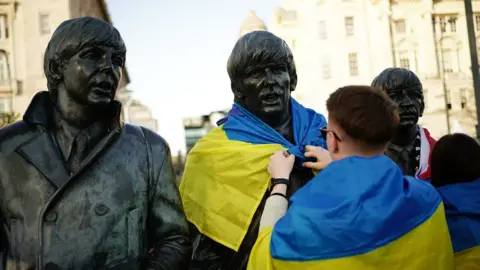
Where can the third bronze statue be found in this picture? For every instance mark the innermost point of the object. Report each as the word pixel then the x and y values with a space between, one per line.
pixel 411 145
pixel 225 180
pixel 79 189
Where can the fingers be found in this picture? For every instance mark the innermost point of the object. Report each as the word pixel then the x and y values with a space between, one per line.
pixel 314 165
pixel 311 154
pixel 311 148
pixel 291 158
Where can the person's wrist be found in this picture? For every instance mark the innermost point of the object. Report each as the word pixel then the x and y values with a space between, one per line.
pixel 280 176
pixel 279 188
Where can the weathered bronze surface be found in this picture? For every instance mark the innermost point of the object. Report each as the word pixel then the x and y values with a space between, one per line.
pixel 78 188
pixel 263 75
pixel 405 88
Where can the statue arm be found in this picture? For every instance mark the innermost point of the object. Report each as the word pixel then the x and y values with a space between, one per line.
pixel 208 254
pixel 168 239
pixel 3 243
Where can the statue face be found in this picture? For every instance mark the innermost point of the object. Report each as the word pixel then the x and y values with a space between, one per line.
pixel 91 76
pixel 410 104
pixel 265 89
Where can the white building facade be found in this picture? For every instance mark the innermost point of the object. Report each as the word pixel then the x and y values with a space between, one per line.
pixel 344 42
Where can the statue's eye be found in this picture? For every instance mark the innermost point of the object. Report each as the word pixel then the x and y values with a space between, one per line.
pixel 256 74
pixel 278 70
pixel 90 55
pixel 117 61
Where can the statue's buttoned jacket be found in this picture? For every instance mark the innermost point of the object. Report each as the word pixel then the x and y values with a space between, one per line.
pixel 120 210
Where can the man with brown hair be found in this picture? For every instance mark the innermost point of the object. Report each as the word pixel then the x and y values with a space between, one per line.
pixel 360 211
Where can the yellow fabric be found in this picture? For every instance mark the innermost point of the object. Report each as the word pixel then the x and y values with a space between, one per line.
pixel 428 246
pixel 223 183
pixel 468 259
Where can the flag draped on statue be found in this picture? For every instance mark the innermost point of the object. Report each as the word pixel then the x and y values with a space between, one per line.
pixel 225 175
pixel 358 213
pixel 462 206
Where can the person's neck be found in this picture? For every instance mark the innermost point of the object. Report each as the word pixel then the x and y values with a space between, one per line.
pixel 404 135
pixel 73 113
pixel 365 154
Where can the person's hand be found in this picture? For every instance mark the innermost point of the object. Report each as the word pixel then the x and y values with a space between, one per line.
pixel 321 154
pixel 281 164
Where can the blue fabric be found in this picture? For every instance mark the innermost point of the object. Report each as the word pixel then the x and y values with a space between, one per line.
pixel 241 125
pixel 462 207
pixel 353 206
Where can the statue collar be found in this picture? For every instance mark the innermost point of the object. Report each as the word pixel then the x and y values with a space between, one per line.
pixel 41 112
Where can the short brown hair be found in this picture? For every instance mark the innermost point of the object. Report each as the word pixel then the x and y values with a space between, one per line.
pixel 364 113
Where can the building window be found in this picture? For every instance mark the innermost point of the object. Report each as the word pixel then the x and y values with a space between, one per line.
pixel 404 60
pixel 447 61
pixel 448 99
pixel 4 105
pixel 44 23
pixel 477 22
pixel 463 98
pixel 289 15
pixel 349 26
pixel 443 25
pixel 353 64
pixel 322 30
pixel 3 69
pixel 400 27
pixel 453 24
pixel 3 26
pixel 327 70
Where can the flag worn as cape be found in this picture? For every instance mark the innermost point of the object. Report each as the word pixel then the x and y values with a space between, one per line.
pixel 462 206
pixel 225 176
pixel 358 213
pixel 427 143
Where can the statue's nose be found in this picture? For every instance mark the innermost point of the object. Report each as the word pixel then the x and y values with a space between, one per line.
pixel 269 78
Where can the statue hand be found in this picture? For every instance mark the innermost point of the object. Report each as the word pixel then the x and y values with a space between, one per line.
pixel 321 154
pixel 281 164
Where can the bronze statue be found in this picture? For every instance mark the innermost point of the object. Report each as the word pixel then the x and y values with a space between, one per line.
pixel 78 188
pixel 263 75
pixel 411 144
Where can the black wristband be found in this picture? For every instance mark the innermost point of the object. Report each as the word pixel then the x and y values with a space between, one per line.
pixel 276 181
pixel 279 194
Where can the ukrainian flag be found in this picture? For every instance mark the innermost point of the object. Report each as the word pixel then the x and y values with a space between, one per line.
pixel 462 206
pixel 225 176
pixel 358 213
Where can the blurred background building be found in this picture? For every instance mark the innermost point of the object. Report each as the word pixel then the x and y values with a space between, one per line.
pixel 341 42
pixel 25 29
pixel 197 127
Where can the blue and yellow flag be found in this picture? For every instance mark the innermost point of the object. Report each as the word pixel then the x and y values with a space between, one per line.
pixel 462 206
pixel 358 213
pixel 225 176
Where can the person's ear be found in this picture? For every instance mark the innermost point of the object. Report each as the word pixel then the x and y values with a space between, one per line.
pixel 236 89
pixel 55 70
pixel 333 146
pixel 422 108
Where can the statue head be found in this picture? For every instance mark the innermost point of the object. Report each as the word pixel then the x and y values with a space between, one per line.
pixel 405 89
pixel 262 74
pixel 84 58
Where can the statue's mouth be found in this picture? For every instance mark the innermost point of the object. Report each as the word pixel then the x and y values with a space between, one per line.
pixel 408 116
pixel 103 86
pixel 269 98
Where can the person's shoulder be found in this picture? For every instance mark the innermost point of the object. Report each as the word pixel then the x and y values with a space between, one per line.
pixel 421 190
pixel 14 134
pixel 157 143
pixel 12 130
